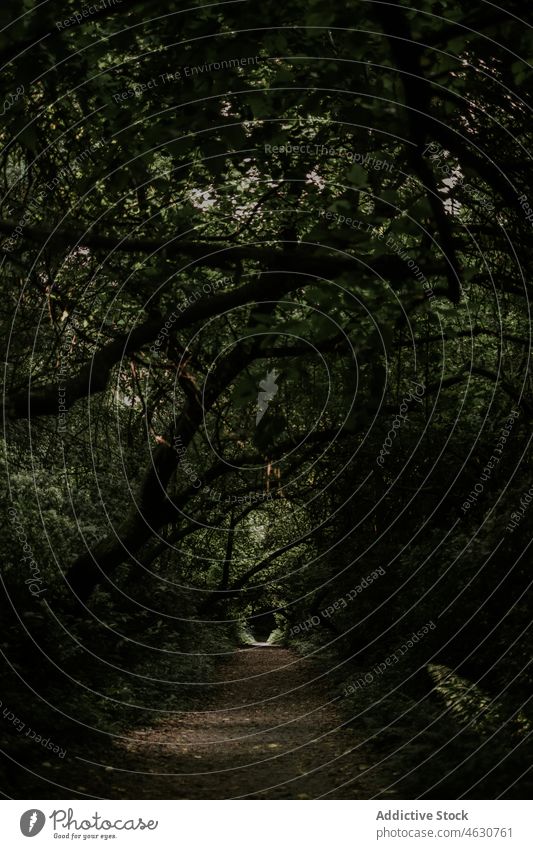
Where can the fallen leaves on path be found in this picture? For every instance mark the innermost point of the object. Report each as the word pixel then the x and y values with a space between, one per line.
pixel 270 730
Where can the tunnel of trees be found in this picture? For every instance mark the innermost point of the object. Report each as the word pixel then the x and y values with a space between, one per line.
pixel 265 277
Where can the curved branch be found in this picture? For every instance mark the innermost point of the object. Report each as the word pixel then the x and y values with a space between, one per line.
pixel 94 375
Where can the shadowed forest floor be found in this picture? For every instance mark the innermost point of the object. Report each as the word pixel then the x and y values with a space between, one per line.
pixel 271 727
pixel 269 732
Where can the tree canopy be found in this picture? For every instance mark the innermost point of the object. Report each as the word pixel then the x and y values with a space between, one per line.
pixel 265 300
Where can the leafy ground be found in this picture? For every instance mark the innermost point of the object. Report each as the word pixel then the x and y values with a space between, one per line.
pixel 270 731
pixel 273 726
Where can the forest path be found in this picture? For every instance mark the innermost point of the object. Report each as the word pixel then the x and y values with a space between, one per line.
pixel 269 731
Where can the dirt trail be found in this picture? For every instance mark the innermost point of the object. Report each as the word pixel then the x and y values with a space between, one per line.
pixel 267 732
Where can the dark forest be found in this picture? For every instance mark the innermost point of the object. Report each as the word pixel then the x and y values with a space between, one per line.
pixel 267 400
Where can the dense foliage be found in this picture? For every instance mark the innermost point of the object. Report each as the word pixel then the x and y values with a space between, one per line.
pixel 330 206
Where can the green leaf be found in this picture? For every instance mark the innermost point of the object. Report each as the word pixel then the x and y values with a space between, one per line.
pixel 357 174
